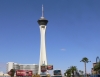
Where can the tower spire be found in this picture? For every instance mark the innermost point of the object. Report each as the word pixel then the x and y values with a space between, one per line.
pixel 42 11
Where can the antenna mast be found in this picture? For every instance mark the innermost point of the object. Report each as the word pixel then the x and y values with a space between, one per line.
pixel 42 11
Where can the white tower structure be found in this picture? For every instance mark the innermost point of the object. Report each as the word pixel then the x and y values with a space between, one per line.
pixel 10 65
pixel 43 59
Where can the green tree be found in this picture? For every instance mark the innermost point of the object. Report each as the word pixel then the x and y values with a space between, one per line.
pixel 68 73
pixel 81 72
pixel 73 70
pixel 97 67
pixel 85 60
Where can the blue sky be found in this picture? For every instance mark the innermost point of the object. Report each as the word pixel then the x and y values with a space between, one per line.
pixel 73 32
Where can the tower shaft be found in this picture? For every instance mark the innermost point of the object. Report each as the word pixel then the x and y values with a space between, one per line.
pixel 43 58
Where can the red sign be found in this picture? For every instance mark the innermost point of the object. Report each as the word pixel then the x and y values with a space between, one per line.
pixel 24 73
pixel 49 67
pixel 43 69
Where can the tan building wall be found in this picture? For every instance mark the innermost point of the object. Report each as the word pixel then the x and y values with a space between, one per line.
pixel 92 70
pixel 94 64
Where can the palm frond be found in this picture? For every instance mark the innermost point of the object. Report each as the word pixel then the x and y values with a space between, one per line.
pixel 85 59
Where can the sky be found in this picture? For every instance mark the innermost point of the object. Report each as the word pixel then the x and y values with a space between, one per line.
pixel 73 32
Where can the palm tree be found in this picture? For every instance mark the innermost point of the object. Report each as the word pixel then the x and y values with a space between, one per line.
pixel 97 67
pixel 73 70
pixel 68 72
pixel 85 60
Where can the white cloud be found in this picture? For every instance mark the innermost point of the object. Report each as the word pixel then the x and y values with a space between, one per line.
pixel 63 49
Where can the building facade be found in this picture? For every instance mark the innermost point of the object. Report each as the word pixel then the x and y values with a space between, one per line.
pixel 10 65
pixel 16 66
pixel 92 69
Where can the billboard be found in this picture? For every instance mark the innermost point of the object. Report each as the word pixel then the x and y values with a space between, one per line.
pixel 24 73
pixel 57 72
pixel 43 68
pixel 49 67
